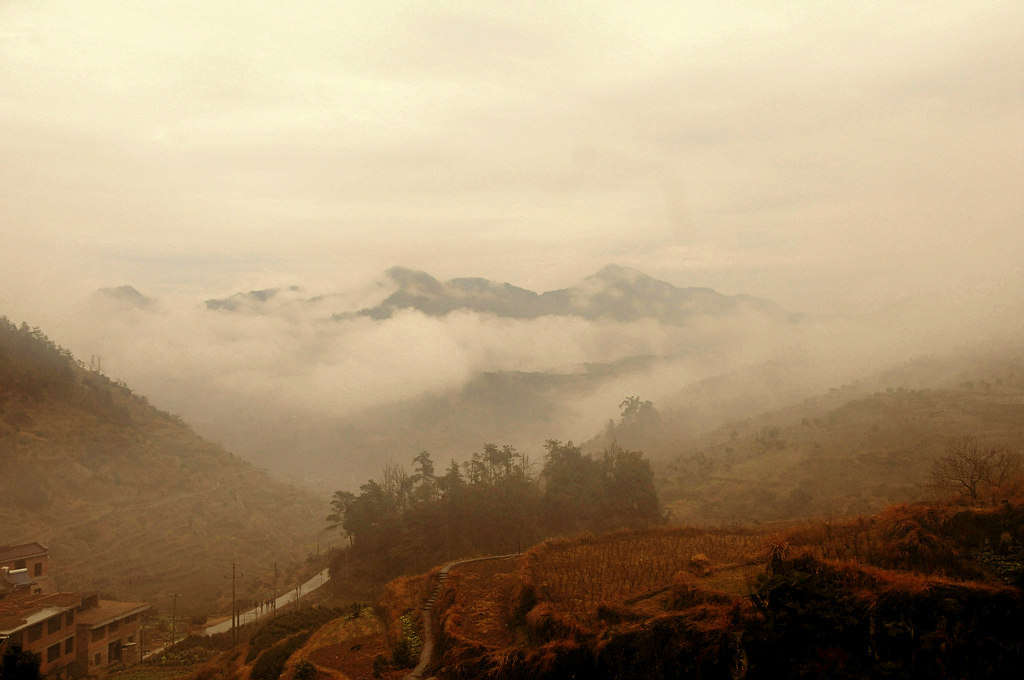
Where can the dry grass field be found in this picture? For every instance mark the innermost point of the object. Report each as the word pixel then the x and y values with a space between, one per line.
pixel 578 576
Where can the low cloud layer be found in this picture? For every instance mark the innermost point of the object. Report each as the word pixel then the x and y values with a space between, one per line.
pixel 294 363
pixel 859 163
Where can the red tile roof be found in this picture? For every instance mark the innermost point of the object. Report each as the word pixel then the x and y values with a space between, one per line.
pixel 17 610
pixel 9 553
pixel 109 610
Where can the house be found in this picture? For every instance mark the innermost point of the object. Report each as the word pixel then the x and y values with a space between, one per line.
pixel 108 634
pixel 43 623
pixel 29 560
pixel 75 636
pixel 31 556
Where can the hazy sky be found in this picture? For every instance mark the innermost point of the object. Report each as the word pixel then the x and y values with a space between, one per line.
pixel 820 154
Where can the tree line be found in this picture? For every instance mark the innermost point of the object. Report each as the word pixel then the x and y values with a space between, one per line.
pixel 499 501
pixel 31 365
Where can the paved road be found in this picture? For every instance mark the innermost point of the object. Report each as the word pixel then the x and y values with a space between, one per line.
pixel 290 597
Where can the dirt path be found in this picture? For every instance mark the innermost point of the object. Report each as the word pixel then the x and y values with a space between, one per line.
pixel 427 652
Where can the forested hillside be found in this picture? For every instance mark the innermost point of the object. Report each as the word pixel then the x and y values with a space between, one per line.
pixel 129 500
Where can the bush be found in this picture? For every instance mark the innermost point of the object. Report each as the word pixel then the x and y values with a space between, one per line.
pixel 401 655
pixel 289 623
pixel 380 665
pixel 271 662
pixel 305 670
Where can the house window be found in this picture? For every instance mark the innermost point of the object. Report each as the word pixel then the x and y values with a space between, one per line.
pixel 19 564
pixel 98 660
pixel 53 653
pixel 37 570
pixel 97 633
pixel 53 624
pixel 69 618
pixel 113 627
pixel 69 645
pixel 35 632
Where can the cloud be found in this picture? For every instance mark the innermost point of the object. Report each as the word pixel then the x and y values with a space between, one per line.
pixel 837 159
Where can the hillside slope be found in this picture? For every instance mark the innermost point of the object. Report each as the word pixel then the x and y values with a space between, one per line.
pixel 855 449
pixel 922 591
pixel 129 500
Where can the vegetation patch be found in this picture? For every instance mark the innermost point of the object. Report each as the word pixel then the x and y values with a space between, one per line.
pixel 270 663
pixel 755 605
pixel 288 624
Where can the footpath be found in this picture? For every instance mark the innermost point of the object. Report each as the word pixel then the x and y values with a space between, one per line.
pixel 427 652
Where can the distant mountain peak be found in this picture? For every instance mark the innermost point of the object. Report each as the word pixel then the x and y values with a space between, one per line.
pixel 249 300
pixel 617 273
pixel 126 295
pixel 614 291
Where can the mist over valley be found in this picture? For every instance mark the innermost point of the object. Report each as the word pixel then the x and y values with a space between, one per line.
pixel 461 339
pixel 325 387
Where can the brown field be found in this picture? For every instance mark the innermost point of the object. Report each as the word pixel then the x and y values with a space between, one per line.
pixel 348 646
pixel 579 576
pixel 484 589
pixel 687 602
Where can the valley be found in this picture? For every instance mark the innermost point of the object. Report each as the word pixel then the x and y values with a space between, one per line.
pixel 672 521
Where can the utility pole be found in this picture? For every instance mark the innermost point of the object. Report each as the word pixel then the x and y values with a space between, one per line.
pixel 234 606
pixel 275 588
pixel 174 615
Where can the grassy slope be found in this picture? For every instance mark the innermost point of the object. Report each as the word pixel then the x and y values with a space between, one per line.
pixel 131 502
pixel 914 591
pixel 842 453
pixel 646 604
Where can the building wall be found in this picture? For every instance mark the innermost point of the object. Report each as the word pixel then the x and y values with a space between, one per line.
pixel 53 639
pixel 37 566
pixel 94 644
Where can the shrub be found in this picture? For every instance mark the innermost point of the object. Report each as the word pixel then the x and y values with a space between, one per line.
pixel 380 665
pixel 289 623
pixel 271 662
pixel 305 670
pixel 401 654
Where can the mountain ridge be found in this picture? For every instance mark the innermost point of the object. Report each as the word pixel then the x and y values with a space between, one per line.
pixel 613 292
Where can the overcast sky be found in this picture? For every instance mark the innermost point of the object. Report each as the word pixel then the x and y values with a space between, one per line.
pixel 821 154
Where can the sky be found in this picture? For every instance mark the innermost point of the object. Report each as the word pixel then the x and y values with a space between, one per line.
pixel 824 155
pixel 860 163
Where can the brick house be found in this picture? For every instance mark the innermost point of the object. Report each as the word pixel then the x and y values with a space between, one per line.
pixel 43 623
pixel 31 556
pixel 28 561
pixel 108 634
pixel 75 636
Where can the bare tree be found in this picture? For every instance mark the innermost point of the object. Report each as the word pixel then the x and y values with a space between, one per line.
pixel 976 472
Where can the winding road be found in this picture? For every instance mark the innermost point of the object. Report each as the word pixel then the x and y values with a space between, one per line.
pixel 289 597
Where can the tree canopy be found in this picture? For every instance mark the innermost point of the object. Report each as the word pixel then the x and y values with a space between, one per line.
pixel 495 502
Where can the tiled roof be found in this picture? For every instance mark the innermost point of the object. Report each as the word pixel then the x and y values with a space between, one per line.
pixel 9 553
pixel 109 610
pixel 20 610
